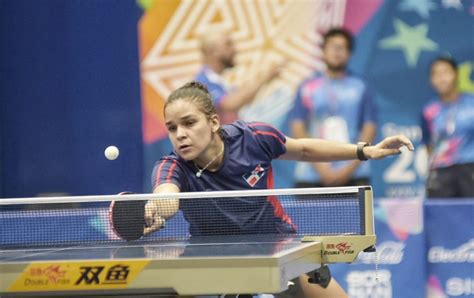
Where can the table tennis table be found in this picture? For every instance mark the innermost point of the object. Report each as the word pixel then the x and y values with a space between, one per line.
pixel 207 265
pixel 251 264
pixel 227 265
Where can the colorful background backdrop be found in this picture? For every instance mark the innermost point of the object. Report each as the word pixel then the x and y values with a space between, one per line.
pixel 79 75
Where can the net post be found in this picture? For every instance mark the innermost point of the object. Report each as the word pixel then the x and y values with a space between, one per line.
pixel 346 248
pixel 369 211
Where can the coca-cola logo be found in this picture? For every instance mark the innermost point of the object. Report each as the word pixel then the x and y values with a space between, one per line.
pixel 388 252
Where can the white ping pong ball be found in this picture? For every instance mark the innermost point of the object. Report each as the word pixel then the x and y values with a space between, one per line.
pixel 111 152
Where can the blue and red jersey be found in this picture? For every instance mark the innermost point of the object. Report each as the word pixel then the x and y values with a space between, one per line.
pixel 449 129
pixel 218 89
pixel 334 109
pixel 249 150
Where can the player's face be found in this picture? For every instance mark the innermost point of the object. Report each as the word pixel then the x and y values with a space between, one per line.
pixel 189 129
pixel 336 53
pixel 443 77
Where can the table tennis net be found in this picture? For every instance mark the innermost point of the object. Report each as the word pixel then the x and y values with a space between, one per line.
pixel 82 220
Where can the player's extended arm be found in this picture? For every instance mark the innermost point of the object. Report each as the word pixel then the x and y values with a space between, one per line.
pixel 245 94
pixel 157 211
pixel 324 150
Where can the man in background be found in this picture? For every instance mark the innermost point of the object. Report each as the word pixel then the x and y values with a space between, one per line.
pixel 218 52
pixel 338 106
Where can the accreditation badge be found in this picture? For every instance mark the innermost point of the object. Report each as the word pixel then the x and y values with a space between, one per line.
pixel 335 128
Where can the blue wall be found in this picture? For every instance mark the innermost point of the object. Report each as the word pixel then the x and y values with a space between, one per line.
pixel 69 87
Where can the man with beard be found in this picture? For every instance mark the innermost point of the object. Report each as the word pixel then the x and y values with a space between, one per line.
pixel 334 105
pixel 218 53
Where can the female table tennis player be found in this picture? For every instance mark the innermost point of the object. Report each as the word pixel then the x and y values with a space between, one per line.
pixel 208 156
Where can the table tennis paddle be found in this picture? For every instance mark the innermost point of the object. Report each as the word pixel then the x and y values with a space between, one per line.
pixel 127 218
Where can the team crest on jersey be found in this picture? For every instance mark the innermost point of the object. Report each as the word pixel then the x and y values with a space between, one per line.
pixel 255 176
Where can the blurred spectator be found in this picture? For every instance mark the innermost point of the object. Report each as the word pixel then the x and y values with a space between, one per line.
pixel 448 132
pixel 218 53
pixel 334 105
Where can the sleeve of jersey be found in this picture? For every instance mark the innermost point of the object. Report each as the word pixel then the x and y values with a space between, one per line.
pixel 299 111
pixel 218 95
pixel 167 170
pixel 369 109
pixel 425 131
pixel 271 140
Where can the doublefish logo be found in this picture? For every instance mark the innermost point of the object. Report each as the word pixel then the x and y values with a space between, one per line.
pixel 255 176
pixel 53 273
pixel 79 275
pixel 90 275
pixel 342 248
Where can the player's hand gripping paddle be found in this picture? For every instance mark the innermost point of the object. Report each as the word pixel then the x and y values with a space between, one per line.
pixel 127 219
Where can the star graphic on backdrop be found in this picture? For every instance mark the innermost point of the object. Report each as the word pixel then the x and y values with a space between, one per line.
pixel 452 3
pixel 411 40
pixel 422 7
pixel 465 73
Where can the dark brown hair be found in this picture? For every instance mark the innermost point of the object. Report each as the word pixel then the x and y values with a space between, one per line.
pixel 196 93
pixel 446 59
pixel 346 34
